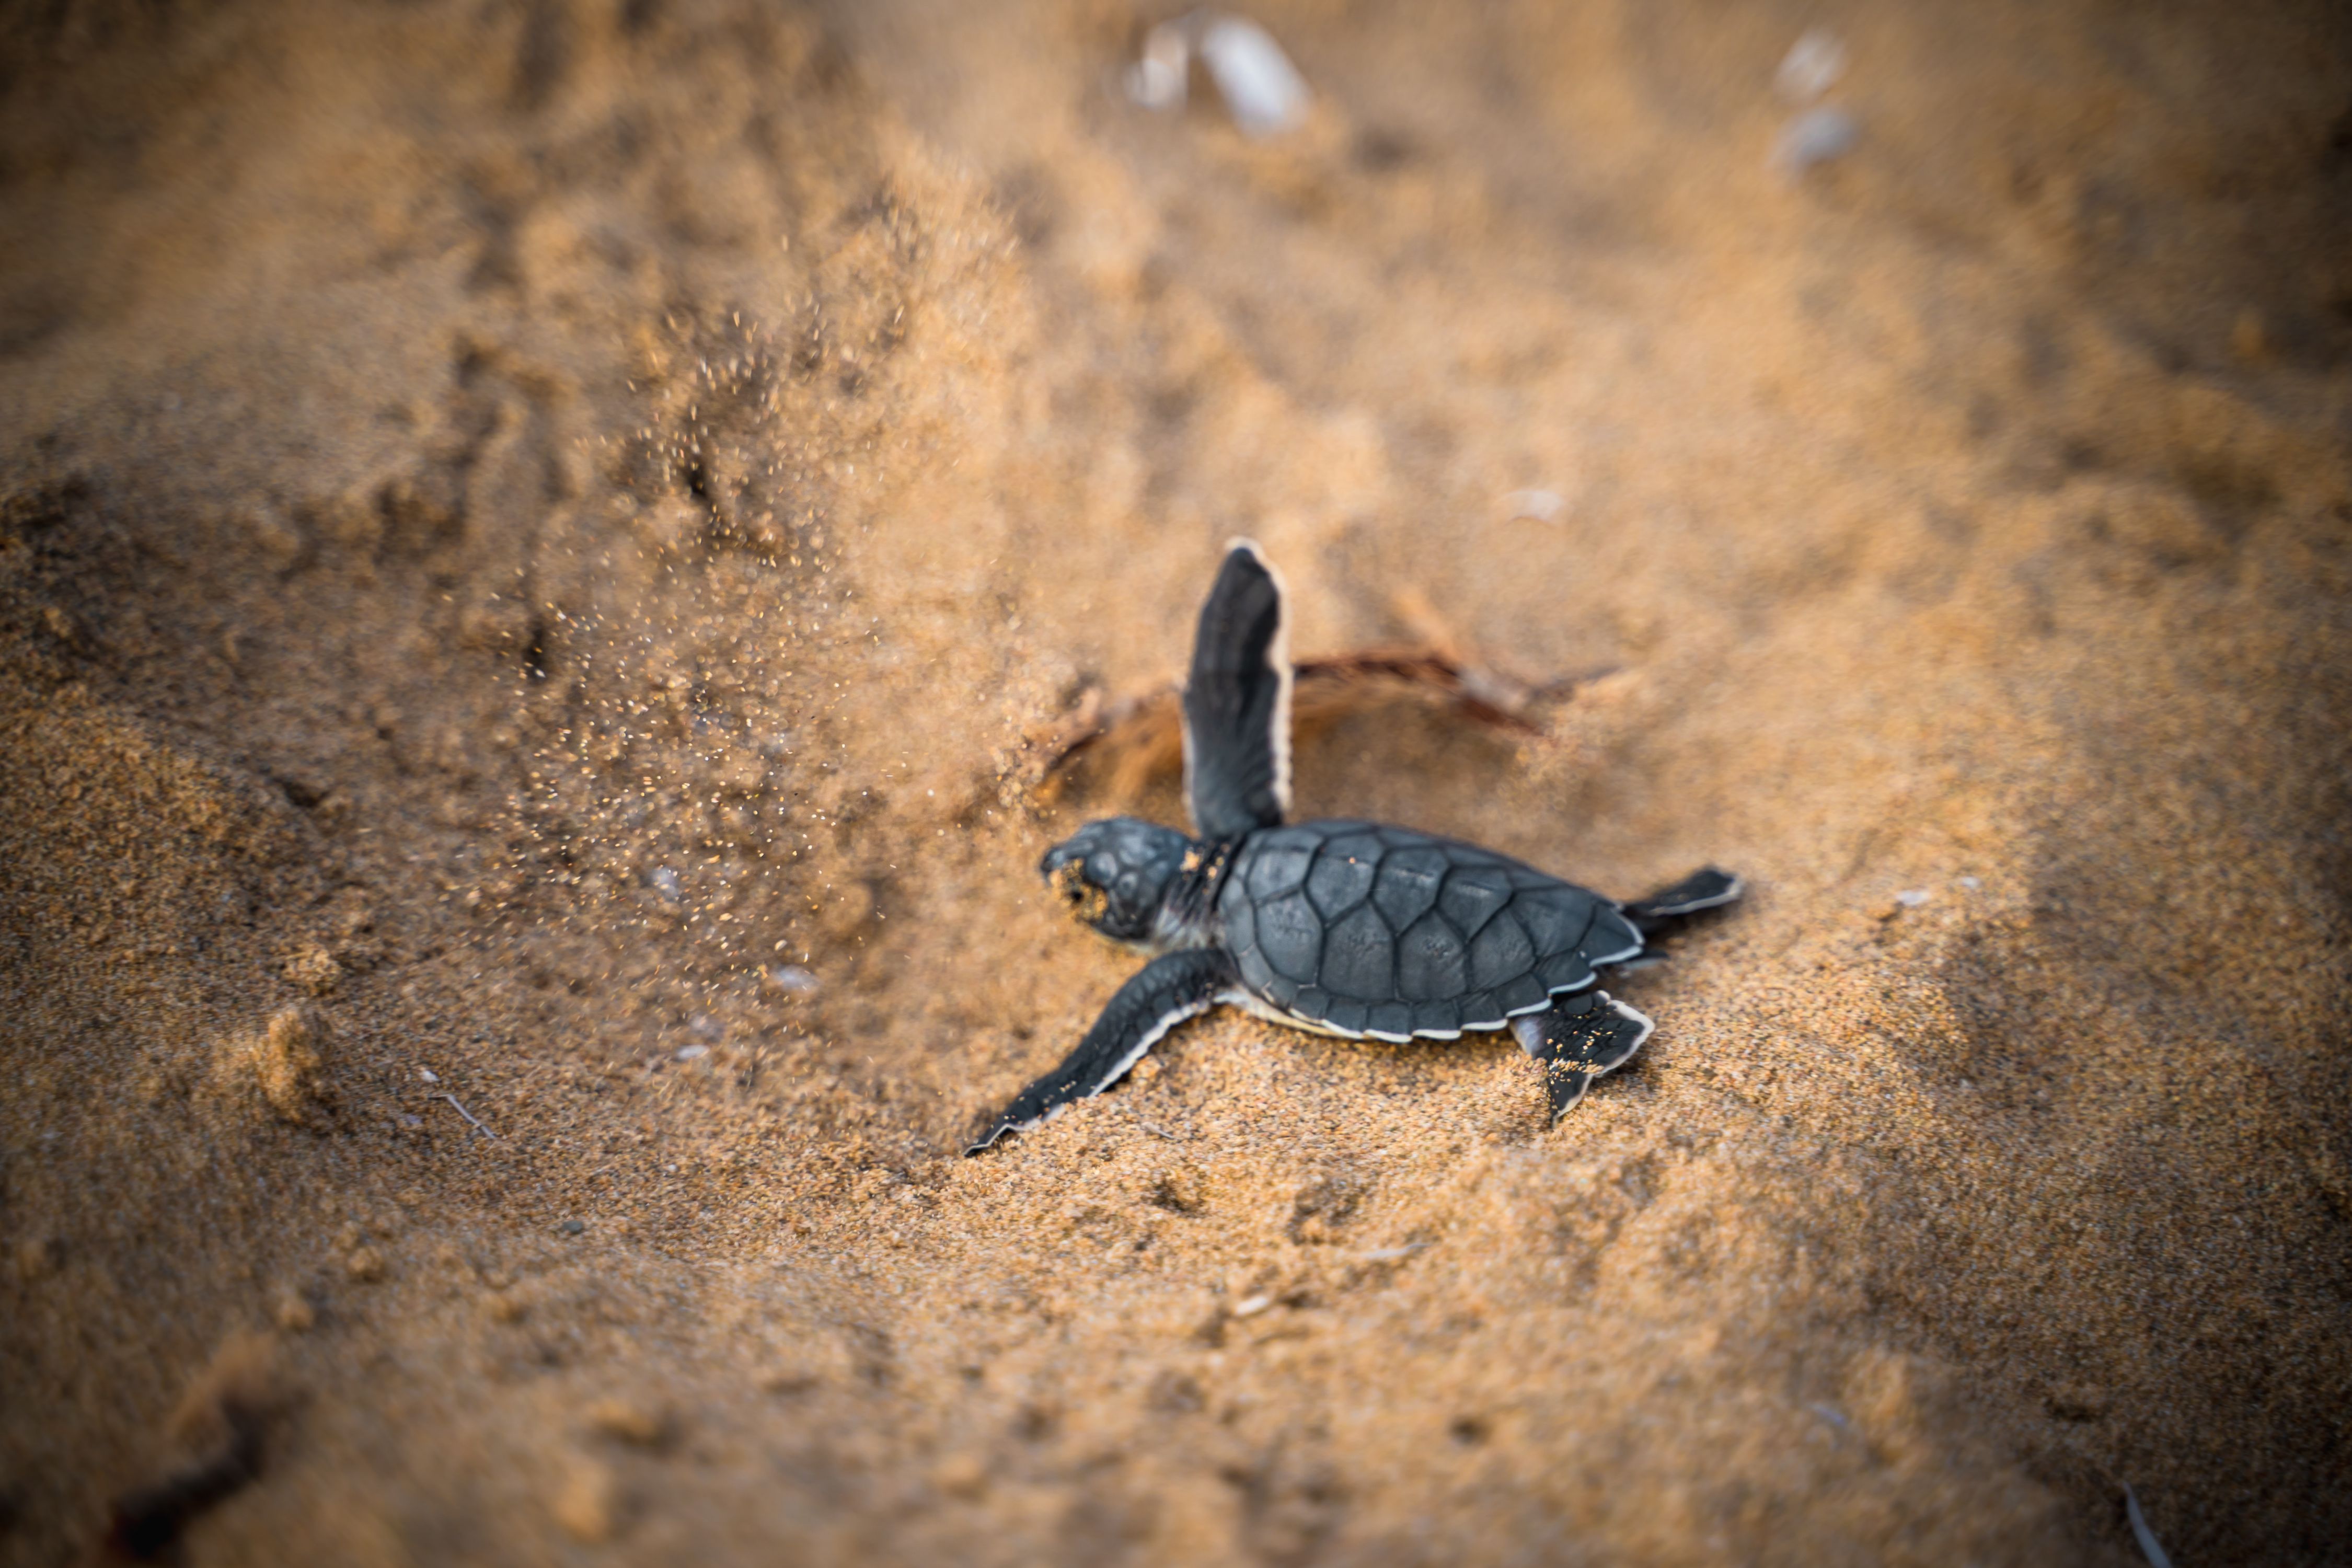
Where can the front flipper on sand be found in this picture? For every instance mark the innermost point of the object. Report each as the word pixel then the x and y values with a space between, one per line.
pixel 1580 1037
pixel 1163 994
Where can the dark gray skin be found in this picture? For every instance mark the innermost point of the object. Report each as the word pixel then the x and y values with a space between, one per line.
pixel 1346 928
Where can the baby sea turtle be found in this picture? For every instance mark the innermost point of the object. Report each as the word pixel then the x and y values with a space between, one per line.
pixel 1345 928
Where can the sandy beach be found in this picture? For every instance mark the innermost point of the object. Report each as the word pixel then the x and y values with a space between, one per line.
pixel 545 549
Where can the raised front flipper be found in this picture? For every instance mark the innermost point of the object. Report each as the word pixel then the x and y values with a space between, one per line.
pixel 1165 993
pixel 1237 702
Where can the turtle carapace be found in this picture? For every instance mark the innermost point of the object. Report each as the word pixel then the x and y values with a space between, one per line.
pixel 1345 928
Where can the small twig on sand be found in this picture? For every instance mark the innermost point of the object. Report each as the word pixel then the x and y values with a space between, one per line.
pixel 470 1117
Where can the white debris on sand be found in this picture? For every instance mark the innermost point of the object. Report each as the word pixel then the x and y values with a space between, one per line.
pixel 1811 67
pixel 1541 506
pixel 1814 137
pixel 1156 81
pixel 1263 91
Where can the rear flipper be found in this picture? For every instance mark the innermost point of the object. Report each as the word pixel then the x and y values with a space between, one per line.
pixel 1700 891
pixel 1162 994
pixel 1580 1037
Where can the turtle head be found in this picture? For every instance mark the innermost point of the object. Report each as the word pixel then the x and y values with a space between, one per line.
pixel 1116 874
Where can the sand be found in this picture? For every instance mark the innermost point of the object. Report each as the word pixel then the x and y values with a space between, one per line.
pixel 539 546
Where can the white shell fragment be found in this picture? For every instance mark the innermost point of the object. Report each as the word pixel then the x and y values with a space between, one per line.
pixel 1262 88
pixel 1251 1306
pixel 1912 898
pixel 692 1053
pixel 1814 137
pixel 1157 80
pixel 1811 67
pixel 1263 91
pixel 1540 506
pixel 790 977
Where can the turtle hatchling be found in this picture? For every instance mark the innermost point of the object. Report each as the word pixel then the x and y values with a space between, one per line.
pixel 1356 929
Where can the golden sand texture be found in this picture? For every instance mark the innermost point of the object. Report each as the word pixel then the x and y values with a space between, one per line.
pixel 537 540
